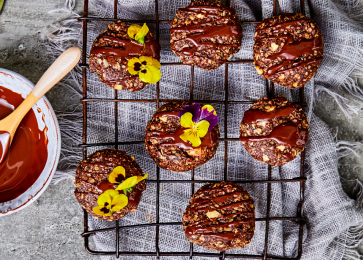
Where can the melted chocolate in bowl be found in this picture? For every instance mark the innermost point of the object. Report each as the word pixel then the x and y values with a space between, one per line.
pixel 27 154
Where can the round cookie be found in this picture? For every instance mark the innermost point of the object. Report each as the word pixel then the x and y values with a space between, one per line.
pixel 92 180
pixel 111 51
pixel 169 151
pixel 220 216
pixel 206 34
pixel 274 131
pixel 288 49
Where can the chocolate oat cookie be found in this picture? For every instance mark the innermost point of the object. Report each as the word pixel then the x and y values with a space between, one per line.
pixel 110 54
pixel 274 131
pixel 205 33
pixel 220 216
pixel 288 49
pixel 92 179
pixel 167 142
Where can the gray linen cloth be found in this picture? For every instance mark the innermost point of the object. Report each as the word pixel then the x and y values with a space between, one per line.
pixel 334 221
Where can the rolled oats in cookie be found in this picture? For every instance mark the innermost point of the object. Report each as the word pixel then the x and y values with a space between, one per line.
pixel 126 57
pixel 274 130
pixel 206 34
pixel 109 184
pixel 220 216
pixel 288 49
pixel 182 135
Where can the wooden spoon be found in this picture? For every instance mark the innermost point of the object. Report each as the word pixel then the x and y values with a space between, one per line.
pixel 61 67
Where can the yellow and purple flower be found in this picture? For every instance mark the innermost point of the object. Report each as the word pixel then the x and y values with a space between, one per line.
pixel 198 122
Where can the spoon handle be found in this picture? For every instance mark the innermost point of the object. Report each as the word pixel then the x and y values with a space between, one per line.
pixel 61 67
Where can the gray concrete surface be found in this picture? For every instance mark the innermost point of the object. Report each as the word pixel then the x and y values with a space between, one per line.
pixel 50 227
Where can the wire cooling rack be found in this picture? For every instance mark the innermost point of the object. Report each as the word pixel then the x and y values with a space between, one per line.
pixel 298 220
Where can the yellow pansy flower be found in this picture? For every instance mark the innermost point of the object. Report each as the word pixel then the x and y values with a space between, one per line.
pixel 149 61
pixel 146 67
pixel 195 131
pixel 150 74
pixel 109 202
pixel 129 183
pixel 117 175
pixel 137 32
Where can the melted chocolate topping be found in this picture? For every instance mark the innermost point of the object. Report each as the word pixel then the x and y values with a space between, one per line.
pixel 207 140
pixel 253 116
pixel 129 48
pixel 291 50
pixel 212 228
pixel 287 134
pixel 207 206
pixel 206 230
pixel 198 34
pixel 27 154
pixel 106 185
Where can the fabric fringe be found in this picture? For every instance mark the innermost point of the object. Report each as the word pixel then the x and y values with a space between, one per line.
pixel 345 148
pixel 63 36
pixel 348 110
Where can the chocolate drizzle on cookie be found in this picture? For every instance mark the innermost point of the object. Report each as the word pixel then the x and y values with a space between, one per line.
pixel 292 49
pixel 296 44
pixel 287 134
pixel 253 116
pixel 206 34
pixel 128 48
pixel 220 212
pixel 200 34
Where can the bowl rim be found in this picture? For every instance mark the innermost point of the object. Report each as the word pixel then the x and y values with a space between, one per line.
pixel 57 129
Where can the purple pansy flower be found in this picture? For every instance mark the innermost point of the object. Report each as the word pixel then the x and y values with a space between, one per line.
pixel 207 113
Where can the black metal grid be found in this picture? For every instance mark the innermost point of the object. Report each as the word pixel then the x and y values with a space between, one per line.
pixel 298 220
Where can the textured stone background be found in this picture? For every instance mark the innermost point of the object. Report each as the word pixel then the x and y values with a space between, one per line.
pixel 50 228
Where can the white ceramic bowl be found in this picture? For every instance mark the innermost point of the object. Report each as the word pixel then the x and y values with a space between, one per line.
pixel 23 86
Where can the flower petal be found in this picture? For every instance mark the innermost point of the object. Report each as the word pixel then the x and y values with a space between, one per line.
pixel 119 202
pixel 202 128
pixel 191 136
pixel 150 74
pixel 103 199
pixel 98 211
pixel 133 30
pixel 210 109
pixel 186 120
pixel 128 183
pixel 115 173
pixel 134 66
pixel 111 193
pixel 208 113
pixel 140 36
pixel 193 109
pixel 149 61
pixel 140 178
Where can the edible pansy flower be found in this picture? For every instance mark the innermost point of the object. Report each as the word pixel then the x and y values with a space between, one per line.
pixel 198 122
pixel 138 32
pixel 146 67
pixel 109 202
pixel 117 175
pixel 129 183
